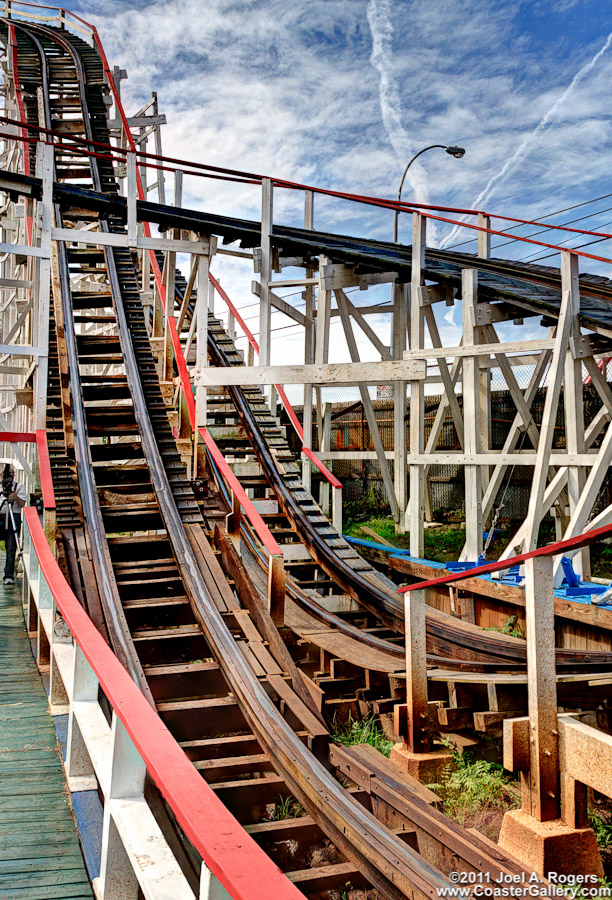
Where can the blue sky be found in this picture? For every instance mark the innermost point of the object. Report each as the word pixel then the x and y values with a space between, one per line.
pixel 341 93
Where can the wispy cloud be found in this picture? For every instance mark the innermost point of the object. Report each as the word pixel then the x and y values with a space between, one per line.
pixel 530 140
pixel 379 19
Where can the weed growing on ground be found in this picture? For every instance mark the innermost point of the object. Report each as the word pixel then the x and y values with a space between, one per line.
pixel 475 793
pixel 362 731
pixel 602 826
pixel 509 627
pixel 287 808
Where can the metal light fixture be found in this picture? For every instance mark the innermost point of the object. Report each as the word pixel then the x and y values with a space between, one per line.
pixel 455 151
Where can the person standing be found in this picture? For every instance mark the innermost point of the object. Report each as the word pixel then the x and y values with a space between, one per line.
pixel 13 500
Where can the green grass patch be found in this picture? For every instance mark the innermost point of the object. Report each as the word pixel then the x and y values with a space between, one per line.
pixel 442 544
pixel 362 731
pixel 287 808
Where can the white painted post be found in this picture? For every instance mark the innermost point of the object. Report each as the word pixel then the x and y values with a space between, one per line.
pixel 573 406
pixel 417 389
pixel 84 691
pixel 169 273
pixel 118 880
pixel 132 199
pixel 324 445
pixel 309 358
pixel 45 169
pixel 201 312
pixel 486 425
pixel 471 418
pixel 265 301
pixel 58 696
pixel 337 509
pixel 400 433
pixel 210 886
pixel 549 415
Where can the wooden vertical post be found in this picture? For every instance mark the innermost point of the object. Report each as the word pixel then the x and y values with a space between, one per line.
pixel 265 301
pixel 549 415
pixel 400 442
pixel 276 589
pixel 417 388
pixel 45 168
pixel 321 350
pixel 541 786
pixel 132 199
pixel 324 445
pixel 471 418
pixel 201 394
pixel 170 272
pixel 573 406
pixel 417 736
pixel 486 425
pixel 309 340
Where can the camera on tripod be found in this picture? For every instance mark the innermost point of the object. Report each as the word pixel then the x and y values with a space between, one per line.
pixel 7 482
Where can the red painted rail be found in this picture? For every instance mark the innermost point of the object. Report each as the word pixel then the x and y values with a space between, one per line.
pixel 263 532
pixel 321 467
pixel 229 852
pixel 44 469
pixel 558 547
pixel 44 464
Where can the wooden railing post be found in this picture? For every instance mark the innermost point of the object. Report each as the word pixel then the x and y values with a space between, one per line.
pixel 276 589
pixel 337 508
pixel 417 733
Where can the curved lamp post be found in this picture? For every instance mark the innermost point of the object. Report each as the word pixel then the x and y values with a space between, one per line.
pixel 457 152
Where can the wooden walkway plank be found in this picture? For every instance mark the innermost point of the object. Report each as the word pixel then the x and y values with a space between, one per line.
pixel 40 854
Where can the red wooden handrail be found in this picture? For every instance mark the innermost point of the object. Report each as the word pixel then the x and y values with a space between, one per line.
pixel 44 469
pixel 263 532
pixel 329 476
pixel 574 543
pixel 16 437
pixel 230 853
pixel 182 370
pixel 44 464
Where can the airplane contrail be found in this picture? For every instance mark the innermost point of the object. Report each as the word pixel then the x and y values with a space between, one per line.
pixel 381 29
pixel 530 139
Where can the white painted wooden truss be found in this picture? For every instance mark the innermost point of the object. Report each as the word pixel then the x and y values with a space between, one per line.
pixel 134 851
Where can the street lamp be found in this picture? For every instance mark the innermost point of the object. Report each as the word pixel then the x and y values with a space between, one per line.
pixel 457 152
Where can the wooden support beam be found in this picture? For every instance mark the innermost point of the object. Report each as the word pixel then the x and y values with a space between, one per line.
pixel 555 378
pixel 265 309
pixel 471 415
pixel 541 788
pixel 573 406
pixel 400 433
pixel 309 344
pixel 416 389
pixel 416 672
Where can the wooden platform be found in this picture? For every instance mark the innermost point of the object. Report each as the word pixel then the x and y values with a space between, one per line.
pixel 40 854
